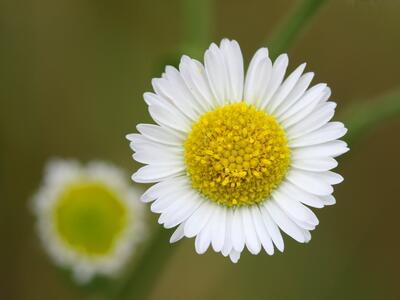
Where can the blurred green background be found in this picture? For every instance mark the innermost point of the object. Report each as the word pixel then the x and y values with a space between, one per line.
pixel 72 75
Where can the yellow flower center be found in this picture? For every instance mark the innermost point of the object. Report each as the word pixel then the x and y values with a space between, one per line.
pixel 236 155
pixel 89 217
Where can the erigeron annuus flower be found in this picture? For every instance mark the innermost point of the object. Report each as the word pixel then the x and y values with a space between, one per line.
pixel 88 217
pixel 238 157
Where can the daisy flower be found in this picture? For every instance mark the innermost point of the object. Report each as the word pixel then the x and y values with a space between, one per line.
pixel 237 158
pixel 88 218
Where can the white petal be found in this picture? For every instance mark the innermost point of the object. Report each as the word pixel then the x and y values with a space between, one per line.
pixel 234 256
pixel 301 195
pixel 261 230
pixel 178 234
pixel 234 64
pixel 315 120
pixel 328 132
pixel 237 233
pixel 328 200
pixel 137 139
pixel 326 96
pixel 309 182
pixel 196 222
pixel 160 134
pixel 331 177
pixel 284 90
pixel 179 214
pixel 183 97
pixel 284 222
pixel 228 238
pixel 152 99
pixel 164 188
pixel 332 148
pixel 218 234
pixel 297 92
pixel 165 114
pixel 304 106
pixel 302 224
pixel 181 201
pixel 173 88
pixel 151 153
pixel 320 164
pixel 272 228
pixel 194 75
pixel 294 208
pixel 217 73
pixel 250 234
pixel 203 239
pixel 307 235
pixel 186 101
pixel 174 199
pixel 141 143
pixel 257 76
pixel 277 75
pixel 153 173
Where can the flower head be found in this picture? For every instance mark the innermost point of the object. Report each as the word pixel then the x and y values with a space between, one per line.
pixel 88 218
pixel 238 157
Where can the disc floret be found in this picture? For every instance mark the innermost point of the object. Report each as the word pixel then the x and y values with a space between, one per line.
pixel 89 218
pixel 236 155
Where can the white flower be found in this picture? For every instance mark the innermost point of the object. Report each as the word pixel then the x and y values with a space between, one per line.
pixel 237 157
pixel 88 217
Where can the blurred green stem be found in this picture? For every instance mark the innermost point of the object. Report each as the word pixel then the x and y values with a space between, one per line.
pixel 293 25
pixel 197 23
pixel 140 282
pixel 362 117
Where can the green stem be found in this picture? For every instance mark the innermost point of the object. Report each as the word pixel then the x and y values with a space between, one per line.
pixel 139 282
pixel 362 117
pixel 293 25
pixel 197 18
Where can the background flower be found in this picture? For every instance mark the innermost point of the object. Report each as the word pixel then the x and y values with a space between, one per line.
pixel 88 218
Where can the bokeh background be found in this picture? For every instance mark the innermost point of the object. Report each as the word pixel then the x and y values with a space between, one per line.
pixel 72 75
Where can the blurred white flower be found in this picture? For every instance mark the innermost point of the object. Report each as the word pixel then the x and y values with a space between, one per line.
pixel 88 217
pixel 237 157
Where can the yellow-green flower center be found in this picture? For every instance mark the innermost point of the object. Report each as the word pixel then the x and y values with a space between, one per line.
pixel 236 155
pixel 89 217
